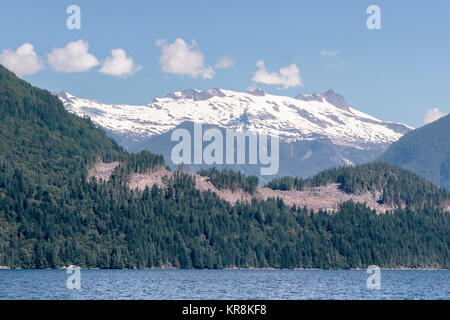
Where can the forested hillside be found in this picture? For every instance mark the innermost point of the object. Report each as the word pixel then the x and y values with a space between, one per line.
pixel 51 215
pixel 425 151
pixel 398 186
pixel 43 143
pixel 229 179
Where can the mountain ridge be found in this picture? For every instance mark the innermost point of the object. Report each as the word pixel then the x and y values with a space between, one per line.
pixel 316 132
pixel 425 151
pixel 291 119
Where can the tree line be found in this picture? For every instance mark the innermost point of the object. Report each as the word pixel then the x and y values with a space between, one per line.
pixel 229 179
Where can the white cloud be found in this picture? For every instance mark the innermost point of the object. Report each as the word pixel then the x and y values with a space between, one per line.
pixel 224 63
pixel 432 115
pixel 329 53
pixel 180 58
pixel 23 61
pixel 73 58
pixel 287 77
pixel 118 64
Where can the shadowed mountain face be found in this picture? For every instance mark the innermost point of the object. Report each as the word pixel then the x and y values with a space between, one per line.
pixel 425 151
pixel 316 131
pixel 298 158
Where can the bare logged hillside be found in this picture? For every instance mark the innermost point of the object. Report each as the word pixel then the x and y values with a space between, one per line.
pixel 103 171
pixel 142 180
pixel 325 197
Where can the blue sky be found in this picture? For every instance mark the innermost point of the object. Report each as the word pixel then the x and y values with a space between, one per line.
pixel 397 73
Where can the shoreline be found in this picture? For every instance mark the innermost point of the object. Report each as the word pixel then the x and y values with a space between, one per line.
pixel 233 268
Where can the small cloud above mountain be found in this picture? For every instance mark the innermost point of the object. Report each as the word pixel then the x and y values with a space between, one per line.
pixel 182 58
pixel 23 61
pixel 119 64
pixel 224 63
pixel 287 77
pixel 72 58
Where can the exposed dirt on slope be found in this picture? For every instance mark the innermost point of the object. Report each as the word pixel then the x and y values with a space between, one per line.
pixel 142 180
pixel 325 197
pixel 203 184
pixel 102 170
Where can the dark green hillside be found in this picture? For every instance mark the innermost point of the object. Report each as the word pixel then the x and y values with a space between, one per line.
pixel 229 179
pixel 425 151
pixel 398 186
pixel 41 140
pixel 52 216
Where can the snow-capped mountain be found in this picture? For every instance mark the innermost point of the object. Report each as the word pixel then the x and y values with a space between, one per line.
pixel 300 118
pixel 303 121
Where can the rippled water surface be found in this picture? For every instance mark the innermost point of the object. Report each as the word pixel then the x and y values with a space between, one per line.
pixel 224 284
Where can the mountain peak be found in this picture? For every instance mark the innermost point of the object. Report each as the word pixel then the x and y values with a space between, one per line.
pixel 257 92
pixel 196 95
pixel 330 96
pixel 329 92
pixel 335 99
pixel 63 94
pixel 309 97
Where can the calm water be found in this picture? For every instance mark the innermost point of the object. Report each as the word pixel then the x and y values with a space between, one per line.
pixel 224 284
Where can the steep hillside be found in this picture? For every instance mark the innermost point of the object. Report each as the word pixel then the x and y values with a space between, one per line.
pixel 53 213
pixel 41 140
pixel 425 151
pixel 395 187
